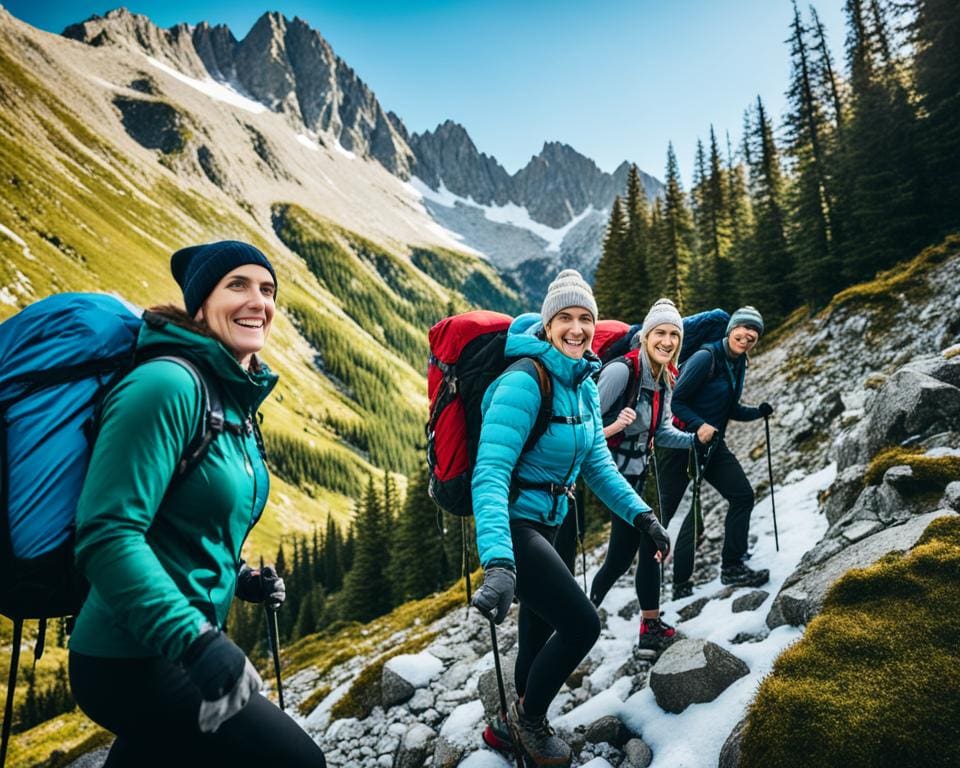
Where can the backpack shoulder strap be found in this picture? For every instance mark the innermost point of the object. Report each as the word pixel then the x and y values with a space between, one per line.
pixel 212 419
pixel 539 372
pixel 632 359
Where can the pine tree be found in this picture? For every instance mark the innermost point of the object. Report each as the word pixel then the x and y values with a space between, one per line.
pixel 741 226
pixel 418 562
pixel 635 286
pixel 882 163
pixel 332 557
pixel 700 277
pixel 810 199
pixel 676 236
pixel 366 588
pixel 764 279
pixel 607 285
pixel 937 37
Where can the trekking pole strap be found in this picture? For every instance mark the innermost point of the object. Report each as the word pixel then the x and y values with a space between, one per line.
pixel 11 684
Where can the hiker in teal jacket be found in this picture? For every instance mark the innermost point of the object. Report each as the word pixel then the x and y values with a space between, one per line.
pixel 148 658
pixel 520 501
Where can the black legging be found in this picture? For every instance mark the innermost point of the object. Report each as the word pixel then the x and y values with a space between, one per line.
pixel 625 541
pixel 152 707
pixel 726 475
pixel 557 625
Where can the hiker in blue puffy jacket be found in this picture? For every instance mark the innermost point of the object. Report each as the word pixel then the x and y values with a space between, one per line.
pixel 706 397
pixel 520 502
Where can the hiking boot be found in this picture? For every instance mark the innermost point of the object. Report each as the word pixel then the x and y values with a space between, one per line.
pixel 497 735
pixel 682 590
pixel 740 575
pixel 655 634
pixel 538 742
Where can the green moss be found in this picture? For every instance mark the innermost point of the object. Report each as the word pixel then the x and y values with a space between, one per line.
pixel 951 353
pixel 875 678
pixel 310 703
pixel 883 291
pixel 929 472
pixel 874 381
pixel 799 365
pixel 56 742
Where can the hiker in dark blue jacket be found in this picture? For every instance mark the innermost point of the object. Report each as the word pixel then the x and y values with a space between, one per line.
pixel 707 396
pixel 520 500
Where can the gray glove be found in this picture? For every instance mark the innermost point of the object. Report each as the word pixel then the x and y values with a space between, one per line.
pixel 261 585
pixel 224 675
pixel 494 597
pixel 648 524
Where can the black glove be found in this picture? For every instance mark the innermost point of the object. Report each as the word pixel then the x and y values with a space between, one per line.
pixel 224 675
pixel 496 594
pixel 765 409
pixel 648 524
pixel 261 585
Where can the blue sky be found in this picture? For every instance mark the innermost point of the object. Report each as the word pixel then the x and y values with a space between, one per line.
pixel 616 79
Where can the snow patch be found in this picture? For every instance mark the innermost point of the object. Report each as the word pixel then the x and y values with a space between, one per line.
pixel 19 241
pixel 461 726
pixel 307 142
pixel 317 720
pixel 417 669
pixel 343 150
pixel 215 90
pixel 511 213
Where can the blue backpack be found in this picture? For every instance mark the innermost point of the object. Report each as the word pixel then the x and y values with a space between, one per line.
pixel 59 357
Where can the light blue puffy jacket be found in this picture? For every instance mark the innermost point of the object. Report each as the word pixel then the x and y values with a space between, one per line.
pixel 510 406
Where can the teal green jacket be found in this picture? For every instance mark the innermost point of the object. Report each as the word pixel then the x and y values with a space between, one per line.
pixel 564 452
pixel 162 565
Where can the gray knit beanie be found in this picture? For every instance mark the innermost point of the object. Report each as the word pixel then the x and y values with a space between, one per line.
pixel 568 289
pixel 662 311
pixel 748 317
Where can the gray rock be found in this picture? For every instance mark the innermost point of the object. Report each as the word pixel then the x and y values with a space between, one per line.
pixel 608 729
pixel 748 637
pixel 730 751
pixel 637 754
pixel 951 495
pixel 750 601
pixel 692 610
pixel 693 672
pixel 860 529
pixel 489 690
pixel 947 371
pixel 446 754
pixel 911 403
pixel 421 700
pixel 394 689
pixel 457 675
pixel 417 743
pixel 825 411
pixel 630 610
pixel 803 593
pixel 93 759
pixel 900 478
pixel 843 492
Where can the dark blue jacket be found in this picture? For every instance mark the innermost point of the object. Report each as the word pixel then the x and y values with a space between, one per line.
pixel 701 397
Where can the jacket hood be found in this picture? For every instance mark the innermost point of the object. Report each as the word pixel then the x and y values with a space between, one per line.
pixel 169 330
pixel 522 341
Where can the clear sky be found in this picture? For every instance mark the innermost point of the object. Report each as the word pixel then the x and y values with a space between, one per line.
pixel 615 79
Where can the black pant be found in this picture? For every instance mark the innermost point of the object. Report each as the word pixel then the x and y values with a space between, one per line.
pixel 152 707
pixel 557 625
pixel 625 541
pixel 726 475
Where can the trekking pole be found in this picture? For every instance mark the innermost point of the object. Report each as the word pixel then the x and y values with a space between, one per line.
pixel 273 637
pixel 695 508
pixel 656 477
pixel 773 502
pixel 503 693
pixel 572 495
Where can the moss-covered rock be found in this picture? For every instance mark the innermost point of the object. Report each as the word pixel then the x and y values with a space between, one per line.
pixel 930 473
pixel 874 681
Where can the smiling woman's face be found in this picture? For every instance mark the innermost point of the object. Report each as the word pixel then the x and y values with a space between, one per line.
pixel 571 331
pixel 742 339
pixel 240 309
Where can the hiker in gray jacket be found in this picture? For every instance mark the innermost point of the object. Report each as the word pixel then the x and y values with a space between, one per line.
pixel 635 393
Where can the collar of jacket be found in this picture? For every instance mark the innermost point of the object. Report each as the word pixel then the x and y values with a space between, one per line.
pixel 523 342
pixel 168 333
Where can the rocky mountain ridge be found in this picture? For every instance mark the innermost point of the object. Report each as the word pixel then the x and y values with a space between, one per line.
pixel 291 69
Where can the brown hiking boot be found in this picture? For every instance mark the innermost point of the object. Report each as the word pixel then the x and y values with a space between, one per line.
pixel 538 742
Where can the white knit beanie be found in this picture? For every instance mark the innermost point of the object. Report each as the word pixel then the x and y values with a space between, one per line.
pixel 568 289
pixel 662 311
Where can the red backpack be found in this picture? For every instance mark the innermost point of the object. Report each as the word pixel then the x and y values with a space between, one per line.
pixel 466 355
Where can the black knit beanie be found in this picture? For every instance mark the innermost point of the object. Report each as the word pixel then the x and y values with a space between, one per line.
pixel 198 268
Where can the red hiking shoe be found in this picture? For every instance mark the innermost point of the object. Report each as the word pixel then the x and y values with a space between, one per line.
pixel 655 634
